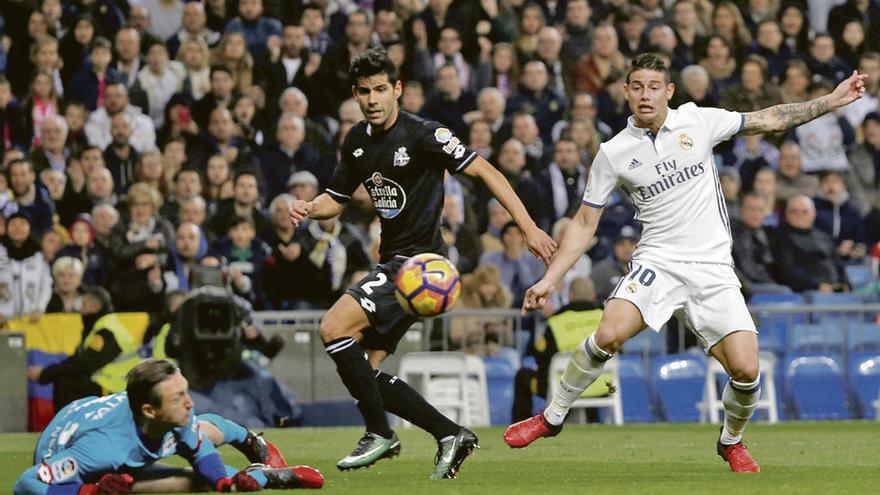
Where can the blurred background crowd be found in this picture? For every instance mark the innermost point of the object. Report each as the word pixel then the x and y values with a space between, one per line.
pixel 152 146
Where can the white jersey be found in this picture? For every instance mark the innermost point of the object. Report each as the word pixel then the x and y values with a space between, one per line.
pixel 673 183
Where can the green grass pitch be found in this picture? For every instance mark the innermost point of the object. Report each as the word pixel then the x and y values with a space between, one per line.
pixel 795 458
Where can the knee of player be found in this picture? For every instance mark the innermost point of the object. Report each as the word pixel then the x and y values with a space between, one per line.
pixel 608 339
pixel 330 330
pixel 746 373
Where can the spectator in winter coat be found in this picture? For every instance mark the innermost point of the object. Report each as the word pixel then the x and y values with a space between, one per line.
pixel 806 258
pixel 24 272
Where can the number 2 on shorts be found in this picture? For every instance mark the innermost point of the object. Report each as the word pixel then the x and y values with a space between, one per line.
pixel 368 287
pixel 381 278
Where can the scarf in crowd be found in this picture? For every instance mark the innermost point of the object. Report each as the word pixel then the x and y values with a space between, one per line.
pixel 329 249
pixel 140 233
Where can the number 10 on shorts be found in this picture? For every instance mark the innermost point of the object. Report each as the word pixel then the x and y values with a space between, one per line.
pixel 646 276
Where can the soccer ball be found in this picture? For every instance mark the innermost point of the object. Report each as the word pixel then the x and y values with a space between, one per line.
pixel 427 285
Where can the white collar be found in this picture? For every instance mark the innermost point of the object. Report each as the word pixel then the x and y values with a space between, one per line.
pixel 640 132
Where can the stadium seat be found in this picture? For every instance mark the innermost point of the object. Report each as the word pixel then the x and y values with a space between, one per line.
pixel 453 382
pixel 510 354
pixel 500 373
pixel 817 298
pixel 635 393
pixel 817 388
pixel 773 326
pixel 647 343
pixel 863 373
pixel 609 400
pixel 824 338
pixel 477 391
pixel 679 380
pixel 716 378
pixel 863 337
pixel 777 299
pixel 835 318
pixel 331 412
pixel 859 276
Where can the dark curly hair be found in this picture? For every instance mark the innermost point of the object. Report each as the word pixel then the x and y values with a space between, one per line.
pixel 370 63
pixel 651 61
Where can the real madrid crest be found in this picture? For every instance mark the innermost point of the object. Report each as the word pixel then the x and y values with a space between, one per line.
pixel 632 287
pixel 685 141
pixel 377 178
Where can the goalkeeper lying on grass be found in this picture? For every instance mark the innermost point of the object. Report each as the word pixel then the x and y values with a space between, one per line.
pixel 111 445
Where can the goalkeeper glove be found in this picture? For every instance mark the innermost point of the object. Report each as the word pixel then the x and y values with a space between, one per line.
pixel 109 484
pixel 241 481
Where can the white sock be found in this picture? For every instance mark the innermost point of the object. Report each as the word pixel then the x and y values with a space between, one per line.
pixel 583 368
pixel 740 401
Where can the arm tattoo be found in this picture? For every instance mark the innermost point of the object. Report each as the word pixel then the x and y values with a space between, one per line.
pixel 785 116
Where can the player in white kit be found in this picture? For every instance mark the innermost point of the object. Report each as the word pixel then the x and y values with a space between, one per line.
pixel 663 160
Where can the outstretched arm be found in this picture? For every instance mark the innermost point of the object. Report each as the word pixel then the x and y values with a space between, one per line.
pixel 540 244
pixel 574 244
pixel 788 115
pixel 321 208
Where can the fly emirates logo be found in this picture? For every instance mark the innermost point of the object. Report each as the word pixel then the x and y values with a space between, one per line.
pixel 671 175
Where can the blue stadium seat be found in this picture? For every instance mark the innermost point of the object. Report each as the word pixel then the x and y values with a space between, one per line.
pixel 510 354
pixel 816 338
pixel 637 404
pixel 816 387
pixel 837 318
pixel 818 298
pixel 863 337
pixel 777 299
pixel 763 289
pixel 773 327
pixel 646 342
pixel 859 276
pixel 331 412
pixel 864 378
pixel 679 381
pixel 499 379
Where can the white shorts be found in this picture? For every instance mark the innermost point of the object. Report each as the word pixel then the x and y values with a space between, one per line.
pixel 706 297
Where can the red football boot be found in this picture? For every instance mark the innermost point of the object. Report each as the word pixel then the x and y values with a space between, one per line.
pixel 259 450
pixel 290 477
pixel 737 455
pixel 519 435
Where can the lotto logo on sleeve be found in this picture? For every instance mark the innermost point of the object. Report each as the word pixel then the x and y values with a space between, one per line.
pixel 44 472
pixel 63 469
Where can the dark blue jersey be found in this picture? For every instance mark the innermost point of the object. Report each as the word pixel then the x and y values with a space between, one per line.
pixel 403 171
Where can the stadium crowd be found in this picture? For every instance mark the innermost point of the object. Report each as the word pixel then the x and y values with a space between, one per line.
pixel 146 142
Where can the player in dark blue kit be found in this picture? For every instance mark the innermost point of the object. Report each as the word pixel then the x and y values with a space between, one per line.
pixel 109 445
pixel 401 159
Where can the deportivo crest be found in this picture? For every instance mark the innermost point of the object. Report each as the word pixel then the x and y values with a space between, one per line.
pixel 685 141
pixel 442 135
pixel 400 157
pixel 634 163
pixel 358 152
